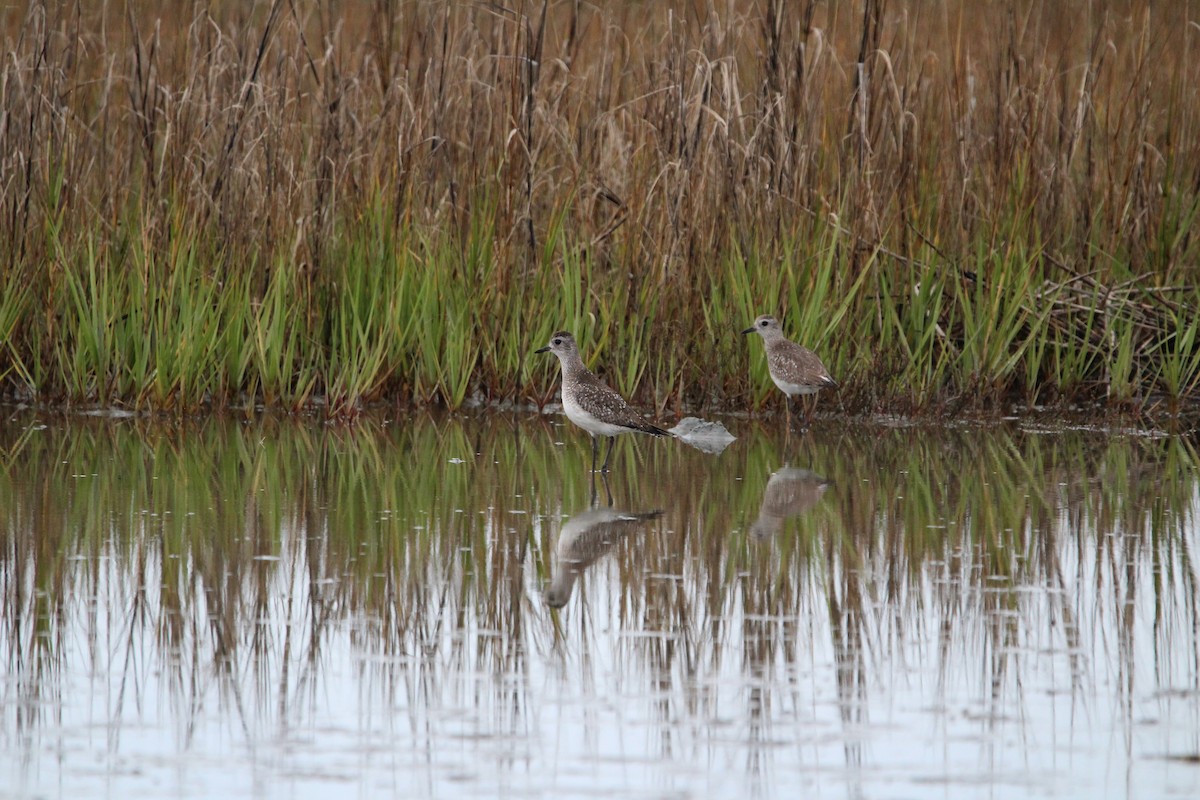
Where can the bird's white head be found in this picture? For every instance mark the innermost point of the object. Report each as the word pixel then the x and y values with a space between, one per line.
pixel 765 326
pixel 562 344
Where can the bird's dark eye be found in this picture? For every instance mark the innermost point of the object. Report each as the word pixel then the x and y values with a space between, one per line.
pixel 556 342
pixel 762 324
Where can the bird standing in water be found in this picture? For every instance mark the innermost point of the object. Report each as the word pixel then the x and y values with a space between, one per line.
pixel 590 403
pixel 795 369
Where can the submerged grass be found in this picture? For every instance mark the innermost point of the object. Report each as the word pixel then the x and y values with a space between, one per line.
pixel 959 206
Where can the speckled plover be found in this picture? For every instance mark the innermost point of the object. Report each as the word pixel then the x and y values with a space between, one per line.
pixel 589 403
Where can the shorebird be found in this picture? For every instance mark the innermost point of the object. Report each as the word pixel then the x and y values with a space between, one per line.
pixel 795 369
pixel 590 403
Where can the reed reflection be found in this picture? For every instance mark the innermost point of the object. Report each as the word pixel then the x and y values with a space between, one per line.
pixel 272 576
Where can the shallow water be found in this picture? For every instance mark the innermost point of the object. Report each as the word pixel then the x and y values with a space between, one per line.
pixel 279 608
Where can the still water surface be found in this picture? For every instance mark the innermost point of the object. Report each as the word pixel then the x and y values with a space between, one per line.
pixel 435 606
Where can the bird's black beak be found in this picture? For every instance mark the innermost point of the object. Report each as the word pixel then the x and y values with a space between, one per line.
pixel 748 330
pixel 546 349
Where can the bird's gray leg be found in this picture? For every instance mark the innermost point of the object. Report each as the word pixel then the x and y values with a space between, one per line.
pixel 787 428
pixel 612 441
pixel 595 452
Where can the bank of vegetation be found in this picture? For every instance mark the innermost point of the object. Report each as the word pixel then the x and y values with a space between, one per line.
pixel 965 205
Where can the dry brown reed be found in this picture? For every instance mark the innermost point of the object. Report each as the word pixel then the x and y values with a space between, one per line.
pixel 669 145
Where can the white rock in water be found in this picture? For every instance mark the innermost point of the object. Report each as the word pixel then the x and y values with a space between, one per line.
pixel 710 437
pixel 112 413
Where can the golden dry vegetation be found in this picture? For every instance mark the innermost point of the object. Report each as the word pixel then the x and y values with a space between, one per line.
pixel 959 204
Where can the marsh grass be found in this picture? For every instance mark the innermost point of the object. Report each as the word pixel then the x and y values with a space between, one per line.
pixel 960 206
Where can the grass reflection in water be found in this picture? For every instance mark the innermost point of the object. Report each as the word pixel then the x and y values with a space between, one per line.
pixel 878 604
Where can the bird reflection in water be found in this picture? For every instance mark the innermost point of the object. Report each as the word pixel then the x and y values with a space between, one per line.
pixel 587 537
pixel 790 492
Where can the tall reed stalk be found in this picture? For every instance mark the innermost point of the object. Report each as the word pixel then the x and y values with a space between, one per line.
pixel 964 205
